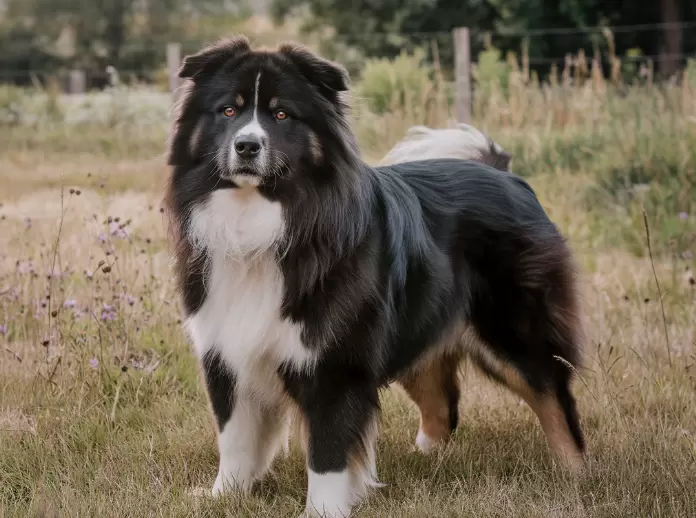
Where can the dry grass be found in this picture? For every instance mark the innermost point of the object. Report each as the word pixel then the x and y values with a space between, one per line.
pixel 102 410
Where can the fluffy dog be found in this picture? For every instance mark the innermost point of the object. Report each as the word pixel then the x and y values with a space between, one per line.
pixel 309 279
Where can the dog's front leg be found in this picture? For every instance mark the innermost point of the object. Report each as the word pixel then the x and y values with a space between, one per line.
pixel 342 420
pixel 250 433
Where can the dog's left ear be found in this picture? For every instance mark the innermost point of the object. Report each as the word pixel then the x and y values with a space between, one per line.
pixel 199 64
pixel 329 77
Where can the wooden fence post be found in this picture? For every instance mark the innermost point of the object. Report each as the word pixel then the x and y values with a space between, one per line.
pixel 77 82
pixel 173 64
pixel 462 70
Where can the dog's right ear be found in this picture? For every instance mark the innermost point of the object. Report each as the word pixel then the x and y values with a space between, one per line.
pixel 198 65
pixel 329 77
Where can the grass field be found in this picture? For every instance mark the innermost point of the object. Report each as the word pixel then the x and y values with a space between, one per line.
pixel 102 410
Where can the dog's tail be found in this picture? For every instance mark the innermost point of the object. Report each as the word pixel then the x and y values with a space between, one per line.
pixel 461 141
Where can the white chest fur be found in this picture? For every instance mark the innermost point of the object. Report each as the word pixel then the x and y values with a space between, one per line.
pixel 241 314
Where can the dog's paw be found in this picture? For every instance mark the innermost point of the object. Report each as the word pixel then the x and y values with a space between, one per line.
pixel 425 444
pixel 226 483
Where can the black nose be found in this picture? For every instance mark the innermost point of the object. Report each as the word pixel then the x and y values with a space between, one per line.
pixel 247 146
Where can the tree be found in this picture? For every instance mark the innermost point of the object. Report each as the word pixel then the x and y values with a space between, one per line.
pixel 50 35
pixel 384 28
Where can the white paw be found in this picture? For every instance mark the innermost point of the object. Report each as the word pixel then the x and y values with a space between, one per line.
pixel 331 495
pixel 226 482
pixel 424 443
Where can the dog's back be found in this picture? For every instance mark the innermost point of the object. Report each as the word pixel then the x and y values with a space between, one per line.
pixel 461 141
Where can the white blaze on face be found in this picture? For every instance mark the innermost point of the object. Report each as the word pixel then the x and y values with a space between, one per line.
pixel 253 129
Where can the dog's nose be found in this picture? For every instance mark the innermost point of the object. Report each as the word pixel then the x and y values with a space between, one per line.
pixel 247 146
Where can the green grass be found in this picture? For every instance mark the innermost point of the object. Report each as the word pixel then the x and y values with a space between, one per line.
pixel 103 412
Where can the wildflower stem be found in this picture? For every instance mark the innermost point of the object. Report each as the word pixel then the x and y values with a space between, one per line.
pixel 112 417
pixel 63 210
pixel 659 291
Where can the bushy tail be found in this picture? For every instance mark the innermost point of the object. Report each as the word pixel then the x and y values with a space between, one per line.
pixel 461 141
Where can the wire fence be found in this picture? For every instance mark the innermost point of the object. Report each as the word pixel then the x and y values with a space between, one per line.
pixel 145 60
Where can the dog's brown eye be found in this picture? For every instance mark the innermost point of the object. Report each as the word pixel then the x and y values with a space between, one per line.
pixel 281 115
pixel 229 111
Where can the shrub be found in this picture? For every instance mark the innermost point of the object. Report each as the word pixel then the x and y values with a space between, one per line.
pixel 389 85
pixel 490 72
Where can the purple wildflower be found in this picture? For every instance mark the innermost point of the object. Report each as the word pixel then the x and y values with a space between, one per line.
pixel 130 300
pixel 25 267
pixel 11 293
pixel 94 363
pixel 27 222
pixel 70 303
pixel 108 313
pixel 115 229
pixel 3 329
pixel 102 238
pixel 683 216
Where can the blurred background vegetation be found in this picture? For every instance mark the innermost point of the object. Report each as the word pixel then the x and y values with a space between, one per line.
pixel 605 91
pixel 44 38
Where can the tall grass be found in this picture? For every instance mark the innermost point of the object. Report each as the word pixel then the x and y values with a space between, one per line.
pixel 635 143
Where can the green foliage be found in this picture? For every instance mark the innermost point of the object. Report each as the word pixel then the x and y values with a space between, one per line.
pixel 29 107
pixel 52 36
pixel 389 85
pixel 491 72
pixel 384 29
pixel 629 67
pixel 691 72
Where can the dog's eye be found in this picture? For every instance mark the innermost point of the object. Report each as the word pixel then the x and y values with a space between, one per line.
pixel 281 115
pixel 229 111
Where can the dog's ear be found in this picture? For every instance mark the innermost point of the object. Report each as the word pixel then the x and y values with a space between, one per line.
pixel 199 64
pixel 329 77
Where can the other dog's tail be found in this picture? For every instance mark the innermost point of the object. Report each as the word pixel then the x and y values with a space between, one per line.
pixel 461 141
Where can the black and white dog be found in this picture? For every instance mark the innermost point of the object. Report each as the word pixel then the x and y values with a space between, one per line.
pixel 310 279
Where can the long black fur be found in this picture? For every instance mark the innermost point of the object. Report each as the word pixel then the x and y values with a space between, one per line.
pixel 379 262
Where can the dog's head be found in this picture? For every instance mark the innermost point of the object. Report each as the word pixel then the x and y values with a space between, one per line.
pixel 257 116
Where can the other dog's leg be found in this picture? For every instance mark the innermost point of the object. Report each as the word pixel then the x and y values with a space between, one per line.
pixel 434 387
pixel 249 435
pixel 341 434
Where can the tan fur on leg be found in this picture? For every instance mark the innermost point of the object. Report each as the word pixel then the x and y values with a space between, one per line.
pixel 553 422
pixel 546 407
pixel 434 388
